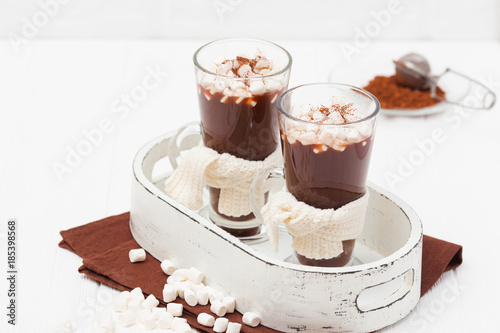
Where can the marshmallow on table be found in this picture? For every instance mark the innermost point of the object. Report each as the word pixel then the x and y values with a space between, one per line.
pixel 178 276
pixel 158 312
pixel 214 295
pixel 184 328
pixel 197 286
pixel 169 293
pixel 251 319
pixel 165 320
pixel 195 275
pixel 205 319
pixel 106 321
pixel 220 325
pixel 137 255
pixel 202 296
pixel 141 315
pixel 190 298
pixel 183 286
pixel 177 321
pixel 150 302
pixel 149 321
pixel 135 305
pixel 230 303
pixel 126 318
pixel 175 309
pixel 121 304
pixel 168 267
pixel 233 328
pixel 136 294
pixel 219 308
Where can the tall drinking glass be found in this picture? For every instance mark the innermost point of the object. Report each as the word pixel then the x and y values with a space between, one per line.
pixel 238 84
pixel 326 159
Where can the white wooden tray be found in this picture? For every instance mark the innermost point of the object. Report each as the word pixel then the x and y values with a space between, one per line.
pixel 380 289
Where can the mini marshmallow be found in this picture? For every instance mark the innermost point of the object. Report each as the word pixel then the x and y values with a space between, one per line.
pixel 141 315
pixel 183 286
pixel 126 318
pixel 219 308
pixel 220 325
pixel 245 71
pixel 195 275
pixel 169 293
pixel 135 305
pixel 149 321
pixel 150 302
pixel 106 321
pixel 178 276
pixel 272 85
pixel 168 267
pixel 233 328
pixel 184 328
pixel 99 330
pixel 175 309
pixel 318 116
pixel 207 81
pixel 137 255
pixel 125 294
pixel 158 312
pixel 178 321
pixel 165 320
pixel 205 319
pixel 136 294
pixel 251 319
pixel 307 138
pixel 257 87
pixel 197 286
pixel 121 304
pixel 202 296
pixel 215 295
pixel 190 298
pixel 230 303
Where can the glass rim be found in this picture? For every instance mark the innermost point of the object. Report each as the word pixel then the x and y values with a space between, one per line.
pixel 335 84
pixel 203 69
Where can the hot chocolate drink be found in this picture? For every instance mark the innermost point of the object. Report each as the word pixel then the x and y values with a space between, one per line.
pixel 326 165
pixel 238 110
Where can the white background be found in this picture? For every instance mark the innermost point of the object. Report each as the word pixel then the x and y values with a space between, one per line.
pixel 62 81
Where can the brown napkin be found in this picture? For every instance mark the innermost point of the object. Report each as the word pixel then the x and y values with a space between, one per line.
pixel 104 247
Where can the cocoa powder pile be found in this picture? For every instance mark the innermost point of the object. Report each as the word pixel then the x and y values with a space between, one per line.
pixel 394 96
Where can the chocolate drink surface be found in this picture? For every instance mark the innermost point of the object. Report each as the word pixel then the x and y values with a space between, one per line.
pixel 327 179
pixel 246 127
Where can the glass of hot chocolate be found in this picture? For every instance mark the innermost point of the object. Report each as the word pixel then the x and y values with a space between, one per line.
pixel 327 132
pixel 238 84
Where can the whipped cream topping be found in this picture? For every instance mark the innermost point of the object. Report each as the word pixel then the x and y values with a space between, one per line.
pixel 242 77
pixel 337 111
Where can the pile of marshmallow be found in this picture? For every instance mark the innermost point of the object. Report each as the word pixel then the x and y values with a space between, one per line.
pixel 230 69
pixel 132 307
pixel 336 112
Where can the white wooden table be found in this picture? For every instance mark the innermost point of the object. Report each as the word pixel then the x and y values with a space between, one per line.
pixel 53 92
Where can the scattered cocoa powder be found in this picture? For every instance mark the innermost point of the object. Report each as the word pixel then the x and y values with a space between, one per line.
pixel 394 96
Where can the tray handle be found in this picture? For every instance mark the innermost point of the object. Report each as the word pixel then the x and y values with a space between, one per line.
pixel 400 295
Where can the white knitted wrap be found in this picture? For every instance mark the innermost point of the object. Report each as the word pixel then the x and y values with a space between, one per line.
pixel 317 233
pixel 231 174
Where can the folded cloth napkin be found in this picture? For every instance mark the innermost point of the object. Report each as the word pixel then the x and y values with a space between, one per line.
pixel 104 247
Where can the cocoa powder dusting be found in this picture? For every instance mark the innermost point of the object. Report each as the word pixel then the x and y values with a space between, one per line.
pixel 394 96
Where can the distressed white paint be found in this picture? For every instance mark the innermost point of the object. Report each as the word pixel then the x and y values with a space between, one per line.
pixel 289 297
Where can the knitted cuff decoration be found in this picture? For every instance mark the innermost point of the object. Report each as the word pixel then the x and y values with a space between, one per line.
pixel 201 165
pixel 317 233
